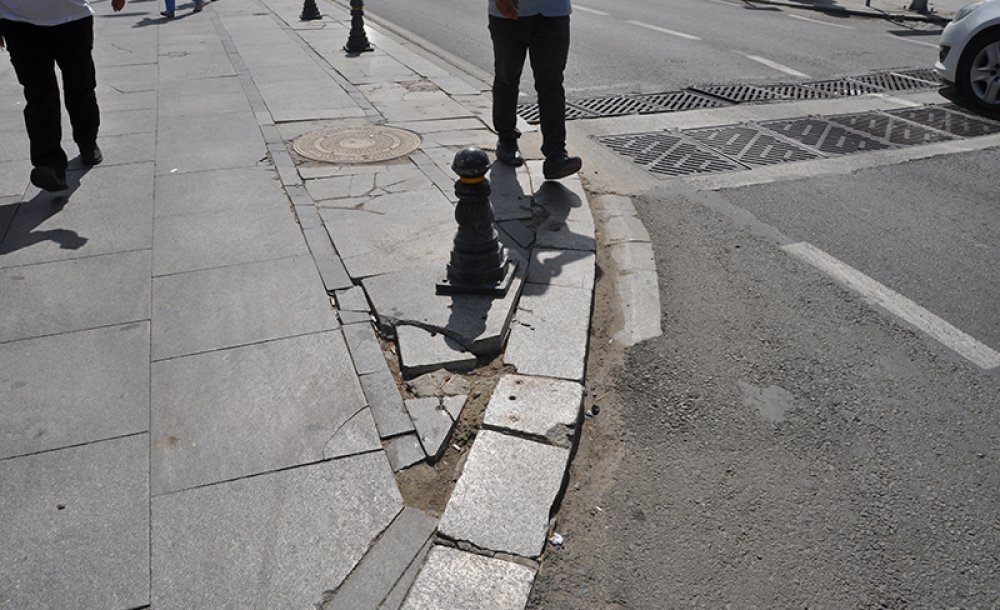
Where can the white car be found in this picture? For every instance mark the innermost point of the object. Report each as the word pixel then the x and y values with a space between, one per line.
pixel 970 53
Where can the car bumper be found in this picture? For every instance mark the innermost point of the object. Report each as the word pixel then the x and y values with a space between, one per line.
pixel 949 52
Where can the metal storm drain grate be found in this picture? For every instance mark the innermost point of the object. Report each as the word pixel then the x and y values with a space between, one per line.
pixel 840 87
pixel 573 113
pixel 739 93
pixel 925 74
pixel 890 128
pixel 825 136
pixel 892 81
pixel 670 155
pixel 613 106
pixel 796 92
pixel 750 145
pixel 677 101
pixel 947 118
pixel 529 112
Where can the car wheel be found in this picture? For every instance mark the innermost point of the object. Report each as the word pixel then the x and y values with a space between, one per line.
pixel 979 70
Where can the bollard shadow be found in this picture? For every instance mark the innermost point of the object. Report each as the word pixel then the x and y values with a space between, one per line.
pixel 27 216
pixel 467 317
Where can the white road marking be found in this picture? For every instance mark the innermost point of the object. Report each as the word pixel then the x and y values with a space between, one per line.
pixel 726 2
pixel 657 28
pixel 832 25
pixel 965 345
pixel 897 100
pixel 904 39
pixel 777 66
pixel 577 7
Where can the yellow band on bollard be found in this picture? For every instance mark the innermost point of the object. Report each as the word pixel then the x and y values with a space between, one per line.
pixel 472 180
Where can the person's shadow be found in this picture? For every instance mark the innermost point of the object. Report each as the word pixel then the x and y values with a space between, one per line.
pixel 19 221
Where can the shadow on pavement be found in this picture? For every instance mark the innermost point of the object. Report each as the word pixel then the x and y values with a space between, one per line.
pixel 26 216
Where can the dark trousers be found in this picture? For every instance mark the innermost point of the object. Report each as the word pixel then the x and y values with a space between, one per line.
pixel 546 41
pixel 34 53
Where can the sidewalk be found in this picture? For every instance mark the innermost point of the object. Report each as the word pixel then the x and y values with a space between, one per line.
pixel 195 410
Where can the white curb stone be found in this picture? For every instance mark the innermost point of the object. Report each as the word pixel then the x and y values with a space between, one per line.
pixel 456 580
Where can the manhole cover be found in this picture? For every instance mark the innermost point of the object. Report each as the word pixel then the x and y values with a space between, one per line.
pixel 356 144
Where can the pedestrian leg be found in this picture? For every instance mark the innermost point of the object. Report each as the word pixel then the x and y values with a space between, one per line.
pixel 76 61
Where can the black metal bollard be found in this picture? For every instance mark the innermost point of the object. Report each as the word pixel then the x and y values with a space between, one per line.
pixel 310 11
pixel 479 264
pixel 357 41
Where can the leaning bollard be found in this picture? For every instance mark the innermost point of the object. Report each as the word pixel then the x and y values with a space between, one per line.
pixel 479 264
pixel 357 41
pixel 310 11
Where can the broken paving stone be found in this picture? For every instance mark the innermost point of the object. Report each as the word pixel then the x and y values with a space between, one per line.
pixel 404 451
pixel 454 405
pixel 421 351
pixel 352 299
pixel 433 424
pixel 429 384
pixel 536 406
pixel 457 386
pixel 458 580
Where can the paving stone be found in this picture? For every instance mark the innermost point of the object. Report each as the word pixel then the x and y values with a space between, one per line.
pixel 566 235
pixel 366 351
pixel 202 96
pixel 305 100
pixel 479 323
pixel 573 268
pixel 433 424
pixel 213 191
pixel 128 149
pixel 385 563
pixel 549 335
pixel 632 256
pixel 199 143
pixel 272 541
pixel 458 580
pixel 123 122
pixel 454 405
pixel 433 125
pixel 354 317
pixel 429 384
pixel 614 204
pixel 101 390
pixel 74 295
pixel 518 231
pixel 352 299
pixel 386 403
pixel 229 306
pixel 404 451
pixel 356 435
pixel 457 386
pixel 14 177
pixel 228 237
pixel 619 229
pixel 279 403
pixel 75 527
pixel 639 298
pixel 421 351
pixel 503 498
pixel 394 600
pixel 544 408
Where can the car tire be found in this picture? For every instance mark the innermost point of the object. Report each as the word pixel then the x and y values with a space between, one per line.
pixel 978 77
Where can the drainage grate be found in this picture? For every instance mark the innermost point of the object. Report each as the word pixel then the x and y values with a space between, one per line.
pixel 893 81
pixel 823 135
pixel 948 118
pixel 529 112
pixel 926 74
pixel 668 154
pixel 677 101
pixel 613 106
pixel 840 87
pixel 750 145
pixel 739 93
pixel 890 128
pixel 796 92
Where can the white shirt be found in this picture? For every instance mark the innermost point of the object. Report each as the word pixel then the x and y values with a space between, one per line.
pixel 45 12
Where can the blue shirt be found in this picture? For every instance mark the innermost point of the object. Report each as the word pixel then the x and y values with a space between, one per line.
pixel 527 8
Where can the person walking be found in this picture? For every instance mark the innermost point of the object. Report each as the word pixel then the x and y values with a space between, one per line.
pixel 538 29
pixel 171 5
pixel 40 34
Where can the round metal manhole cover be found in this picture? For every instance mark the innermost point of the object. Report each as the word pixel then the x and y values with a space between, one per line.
pixel 356 144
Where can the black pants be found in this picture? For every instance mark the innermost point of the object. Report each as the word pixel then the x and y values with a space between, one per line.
pixel 34 53
pixel 546 41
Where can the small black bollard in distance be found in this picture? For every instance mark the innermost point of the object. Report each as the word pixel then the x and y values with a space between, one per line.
pixel 310 11
pixel 479 264
pixel 357 41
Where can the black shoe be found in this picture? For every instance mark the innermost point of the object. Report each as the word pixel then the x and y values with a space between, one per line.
pixel 49 179
pixel 561 165
pixel 91 155
pixel 167 14
pixel 507 152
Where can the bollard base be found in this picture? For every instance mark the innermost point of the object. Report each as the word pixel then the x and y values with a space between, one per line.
pixel 496 289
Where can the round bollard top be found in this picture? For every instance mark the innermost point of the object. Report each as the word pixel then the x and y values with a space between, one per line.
pixel 471 162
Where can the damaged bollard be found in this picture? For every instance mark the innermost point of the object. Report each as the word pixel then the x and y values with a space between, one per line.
pixel 479 263
pixel 357 40
pixel 310 11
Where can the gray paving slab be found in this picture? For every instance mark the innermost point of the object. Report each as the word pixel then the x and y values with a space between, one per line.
pixel 328 262
pixel 122 122
pixel 573 268
pixel 352 299
pixel 75 527
pixel 370 68
pixel 423 107
pixel 550 332
pixel 127 149
pixel 239 412
pixel 457 580
pixel 356 435
pixel 306 100
pixel 519 231
pixel 14 177
pixel 639 298
pixel 202 96
pixel 273 541
pixel 479 323
pixel 15 141
pixel 213 191
pixel 229 306
pixel 366 351
pixel 546 409
pixel 394 600
pixel 454 404
pixel 217 141
pixel 434 125
pixel 456 386
pixel 421 351
pixel 433 424
pixel 129 78
pixel 386 404
pixel 429 384
pixel 503 498
pixel 404 451
pixel 111 101
pixel 228 237
pixel 385 563
pixel 66 296
pixel 354 317
pixel 202 65
pixel 8 207
pixel 122 50
pixel 74 388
